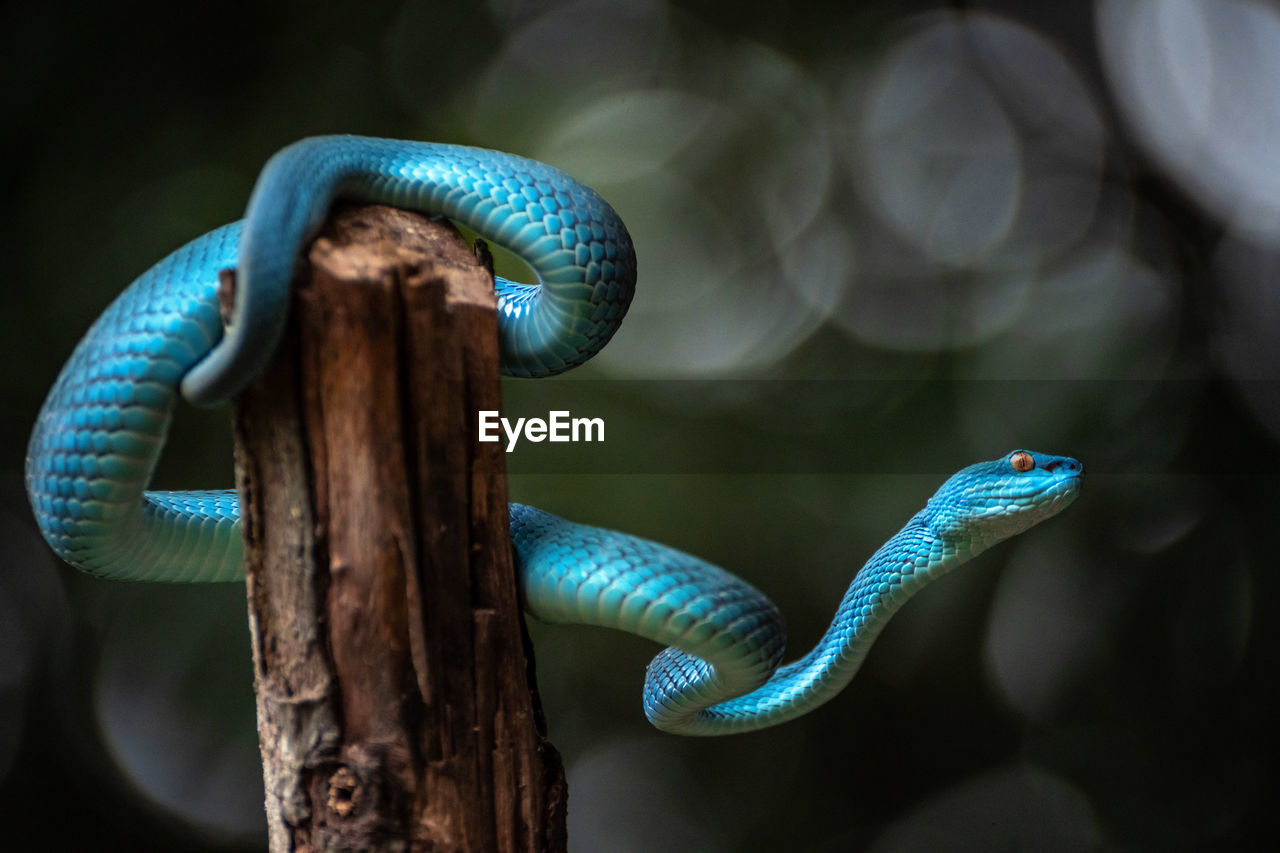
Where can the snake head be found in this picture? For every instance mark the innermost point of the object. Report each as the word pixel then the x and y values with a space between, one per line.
pixel 991 501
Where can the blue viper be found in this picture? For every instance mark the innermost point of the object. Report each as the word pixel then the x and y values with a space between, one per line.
pixel 99 435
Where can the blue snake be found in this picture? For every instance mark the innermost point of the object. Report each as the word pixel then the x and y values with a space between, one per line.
pixel 100 433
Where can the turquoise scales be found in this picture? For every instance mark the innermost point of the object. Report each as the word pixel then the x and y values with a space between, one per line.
pixel 100 433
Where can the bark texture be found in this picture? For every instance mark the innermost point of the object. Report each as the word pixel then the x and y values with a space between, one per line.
pixel 396 704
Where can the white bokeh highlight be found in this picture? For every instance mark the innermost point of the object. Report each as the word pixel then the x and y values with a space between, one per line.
pixel 977 152
pixel 1197 82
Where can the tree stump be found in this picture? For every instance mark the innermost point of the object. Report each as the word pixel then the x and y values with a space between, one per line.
pixel 396 702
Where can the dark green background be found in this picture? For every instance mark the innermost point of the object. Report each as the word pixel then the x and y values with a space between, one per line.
pixel 132 128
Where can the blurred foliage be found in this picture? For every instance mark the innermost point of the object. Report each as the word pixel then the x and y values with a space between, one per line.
pixel 1050 225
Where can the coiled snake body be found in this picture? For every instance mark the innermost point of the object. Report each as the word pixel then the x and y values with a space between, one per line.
pixel 100 432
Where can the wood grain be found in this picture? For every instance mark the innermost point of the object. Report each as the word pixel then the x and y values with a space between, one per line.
pixel 396 707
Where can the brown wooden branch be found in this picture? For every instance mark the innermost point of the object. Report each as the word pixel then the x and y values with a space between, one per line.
pixel 396 710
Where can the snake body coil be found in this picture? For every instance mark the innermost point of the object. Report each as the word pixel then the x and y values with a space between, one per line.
pixel 99 435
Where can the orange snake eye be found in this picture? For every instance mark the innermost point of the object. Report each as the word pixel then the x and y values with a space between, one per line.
pixel 1021 461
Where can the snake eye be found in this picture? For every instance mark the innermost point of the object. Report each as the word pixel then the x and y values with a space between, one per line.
pixel 1021 461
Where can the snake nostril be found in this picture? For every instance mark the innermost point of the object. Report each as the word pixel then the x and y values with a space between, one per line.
pixel 1066 464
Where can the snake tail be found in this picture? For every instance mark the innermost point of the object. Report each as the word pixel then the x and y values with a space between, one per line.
pixel 100 432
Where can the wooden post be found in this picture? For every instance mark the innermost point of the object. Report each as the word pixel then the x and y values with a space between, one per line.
pixel 396 710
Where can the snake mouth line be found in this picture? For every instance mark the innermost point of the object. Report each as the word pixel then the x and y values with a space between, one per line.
pixel 1067 486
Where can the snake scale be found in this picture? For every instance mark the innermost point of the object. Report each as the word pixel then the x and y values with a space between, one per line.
pixel 101 430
